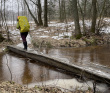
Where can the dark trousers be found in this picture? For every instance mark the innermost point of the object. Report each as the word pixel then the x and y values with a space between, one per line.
pixel 23 36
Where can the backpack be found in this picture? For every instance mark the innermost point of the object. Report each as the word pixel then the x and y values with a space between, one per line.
pixel 24 24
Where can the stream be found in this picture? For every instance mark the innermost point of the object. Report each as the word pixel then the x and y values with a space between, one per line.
pixel 29 72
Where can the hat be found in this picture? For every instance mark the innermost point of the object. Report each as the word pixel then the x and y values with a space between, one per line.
pixel 17 17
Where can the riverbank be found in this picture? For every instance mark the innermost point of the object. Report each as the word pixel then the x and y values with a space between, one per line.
pixel 12 87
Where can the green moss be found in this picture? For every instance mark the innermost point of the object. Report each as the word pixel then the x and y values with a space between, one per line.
pixel 78 36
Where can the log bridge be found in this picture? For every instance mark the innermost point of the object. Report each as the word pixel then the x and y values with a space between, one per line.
pixel 94 74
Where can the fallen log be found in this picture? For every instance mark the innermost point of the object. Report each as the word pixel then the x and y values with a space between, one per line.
pixel 56 62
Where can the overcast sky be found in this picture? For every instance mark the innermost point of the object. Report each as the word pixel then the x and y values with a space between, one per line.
pixel 13 5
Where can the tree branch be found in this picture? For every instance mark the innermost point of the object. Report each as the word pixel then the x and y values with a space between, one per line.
pixel 34 2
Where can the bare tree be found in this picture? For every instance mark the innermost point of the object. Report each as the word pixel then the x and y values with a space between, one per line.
pixel 39 13
pixel 83 12
pixel 45 14
pixel 6 27
pixel 62 11
pixel 94 16
pixel 100 17
pixel 36 21
pixel 39 10
pixel 76 19
pixel 18 7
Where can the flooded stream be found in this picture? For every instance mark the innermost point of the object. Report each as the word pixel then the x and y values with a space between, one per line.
pixel 25 70
pixel 85 56
pixel 29 72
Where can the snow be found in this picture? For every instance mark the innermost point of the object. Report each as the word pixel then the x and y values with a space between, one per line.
pixel 46 31
pixel 14 32
pixel 11 22
pixel 40 29
pixel 20 45
pixel 105 29
pixel 57 37
pixel 70 84
pixel 43 36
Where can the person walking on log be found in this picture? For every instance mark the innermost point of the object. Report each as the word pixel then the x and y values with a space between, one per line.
pixel 23 26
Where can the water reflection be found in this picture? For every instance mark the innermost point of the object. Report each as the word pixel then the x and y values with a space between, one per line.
pixel 26 71
pixel 29 72
pixel 85 56
pixel 1 74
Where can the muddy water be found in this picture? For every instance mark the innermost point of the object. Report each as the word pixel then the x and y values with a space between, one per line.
pixel 84 56
pixel 29 72
pixel 26 71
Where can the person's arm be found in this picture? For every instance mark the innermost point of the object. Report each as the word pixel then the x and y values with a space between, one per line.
pixel 18 26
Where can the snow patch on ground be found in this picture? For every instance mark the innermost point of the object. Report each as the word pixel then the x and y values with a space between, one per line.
pixel 43 36
pixel 71 84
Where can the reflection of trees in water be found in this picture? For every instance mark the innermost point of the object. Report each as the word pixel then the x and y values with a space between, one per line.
pixel 27 76
pixel 1 72
pixel 93 55
pixel 103 55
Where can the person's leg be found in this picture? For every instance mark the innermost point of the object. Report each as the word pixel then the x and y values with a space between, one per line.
pixel 23 36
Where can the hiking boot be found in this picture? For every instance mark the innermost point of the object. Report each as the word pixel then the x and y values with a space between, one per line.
pixel 25 45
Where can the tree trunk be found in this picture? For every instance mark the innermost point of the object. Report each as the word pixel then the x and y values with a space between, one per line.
pixel 60 10
pixel 76 19
pixel 83 12
pixel 31 14
pixel 39 13
pixel 18 7
pixel 100 17
pixel 45 14
pixel 6 27
pixel 1 15
pixel 94 16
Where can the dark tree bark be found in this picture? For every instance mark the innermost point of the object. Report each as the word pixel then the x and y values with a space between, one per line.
pixel 31 13
pixel 94 16
pixel 60 10
pixel 39 13
pixel 18 7
pixel 83 12
pixel 100 17
pixel 45 14
pixel 39 10
pixel 76 19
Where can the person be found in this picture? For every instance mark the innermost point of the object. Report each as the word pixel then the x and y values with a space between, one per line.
pixel 23 33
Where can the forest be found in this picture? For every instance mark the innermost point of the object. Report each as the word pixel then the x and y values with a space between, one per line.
pixel 60 29
pixel 44 11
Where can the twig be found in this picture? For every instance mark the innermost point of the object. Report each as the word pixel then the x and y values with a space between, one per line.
pixel 8 67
